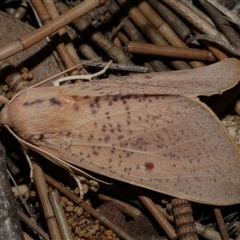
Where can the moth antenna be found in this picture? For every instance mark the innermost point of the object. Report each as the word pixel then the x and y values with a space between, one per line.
pixel 50 78
pixel 85 77
pixel 70 168
pixel 62 72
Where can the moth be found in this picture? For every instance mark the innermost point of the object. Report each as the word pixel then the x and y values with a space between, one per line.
pixel 149 130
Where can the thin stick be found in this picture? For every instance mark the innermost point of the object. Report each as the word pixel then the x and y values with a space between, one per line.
pixel 84 25
pixel 117 66
pixel 124 207
pixel 225 11
pixel 221 225
pixel 179 27
pixel 221 22
pixel 142 22
pixel 218 41
pixel 45 17
pixel 39 34
pixel 59 213
pixel 152 208
pixel 32 225
pixel 198 22
pixel 87 207
pixel 5 100
pixel 167 227
pixel 51 7
pixel 198 12
pixel 20 11
pixel 42 190
pixel 170 51
pixel 205 231
pixel 20 196
pixel 164 29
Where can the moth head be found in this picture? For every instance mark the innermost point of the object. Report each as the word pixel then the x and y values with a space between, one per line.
pixel 4 118
pixel 3 114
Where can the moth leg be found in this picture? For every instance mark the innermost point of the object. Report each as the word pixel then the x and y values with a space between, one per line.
pixel 29 163
pixel 84 77
pixel 80 186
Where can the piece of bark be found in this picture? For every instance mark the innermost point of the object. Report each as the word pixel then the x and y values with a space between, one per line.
pixel 38 59
pixel 139 228
pixel 10 227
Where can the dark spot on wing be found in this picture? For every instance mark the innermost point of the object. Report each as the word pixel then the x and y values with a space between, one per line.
pixel 115 98
pixel 54 101
pixel 37 101
pixel 76 97
pixel 149 166
pixel 112 150
pixel 76 106
pixel 147 76
pixel 104 128
pixel 68 134
pixel 90 137
pixel 41 137
pixel 96 100
pixel 106 139
pixel 120 137
pixel 94 152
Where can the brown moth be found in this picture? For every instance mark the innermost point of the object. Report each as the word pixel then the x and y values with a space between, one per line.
pixel 148 130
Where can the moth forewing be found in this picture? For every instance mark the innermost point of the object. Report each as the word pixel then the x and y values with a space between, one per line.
pixel 213 79
pixel 58 161
pixel 168 143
